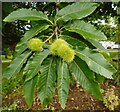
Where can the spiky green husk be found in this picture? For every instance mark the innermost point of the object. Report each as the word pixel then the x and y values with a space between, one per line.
pixel 55 45
pixel 66 53
pixel 61 48
pixel 35 44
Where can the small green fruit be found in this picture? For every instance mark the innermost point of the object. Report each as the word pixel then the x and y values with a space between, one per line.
pixel 55 45
pixel 66 53
pixel 35 44
pixel 61 48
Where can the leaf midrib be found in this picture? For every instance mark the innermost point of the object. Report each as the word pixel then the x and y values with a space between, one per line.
pixel 61 84
pixel 80 70
pixel 20 18
pixel 84 31
pixel 36 32
pixel 21 63
pixel 47 84
pixel 87 79
pixel 62 79
pixel 34 71
pixel 93 61
pixel 62 16
pixel 83 75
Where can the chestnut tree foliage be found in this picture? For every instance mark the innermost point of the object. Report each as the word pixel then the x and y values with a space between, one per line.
pixel 57 48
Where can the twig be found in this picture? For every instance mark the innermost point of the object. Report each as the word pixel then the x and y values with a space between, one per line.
pixel 57 4
pixel 56 33
pixel 50 21
pixel 49 37
pixel 57 8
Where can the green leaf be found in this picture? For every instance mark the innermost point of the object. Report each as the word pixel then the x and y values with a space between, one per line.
pixel 85 76
pixel 22 45
pixel 99 78
pixel 77 10
pixel 96 62
pixel 96 43
pixel 63 82
pixel 29 89
pixel 26 68
pixel 106 54
pixel 46 82
pixel 25 14
pixel 35 30
pixel 35 65
pixel 87 30
pixel 16 65
pixel 73 41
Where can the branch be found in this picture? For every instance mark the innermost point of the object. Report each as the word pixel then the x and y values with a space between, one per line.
pixel 56 33
pixel 49 37
pixel 57 6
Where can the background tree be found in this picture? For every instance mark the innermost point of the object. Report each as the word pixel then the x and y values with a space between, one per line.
pixel 12 32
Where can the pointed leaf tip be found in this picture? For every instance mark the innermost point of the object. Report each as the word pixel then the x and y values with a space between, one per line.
pixel 63 82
